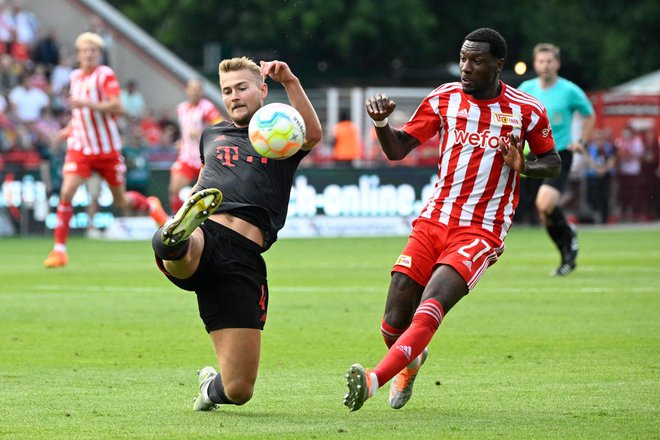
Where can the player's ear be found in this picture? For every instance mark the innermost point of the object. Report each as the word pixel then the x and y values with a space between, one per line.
pixel 264 91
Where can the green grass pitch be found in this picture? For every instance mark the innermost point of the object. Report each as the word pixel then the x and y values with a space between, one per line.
pixel 107 348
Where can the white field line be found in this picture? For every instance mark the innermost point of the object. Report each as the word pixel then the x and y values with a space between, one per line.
pixel 350 289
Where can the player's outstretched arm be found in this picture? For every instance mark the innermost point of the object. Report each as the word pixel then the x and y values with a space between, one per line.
pixel 279 71
pixel 396 144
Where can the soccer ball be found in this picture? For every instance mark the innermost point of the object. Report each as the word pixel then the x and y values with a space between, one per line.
pixel 277 131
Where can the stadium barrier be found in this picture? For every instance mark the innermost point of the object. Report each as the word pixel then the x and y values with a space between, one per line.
pixel 324 202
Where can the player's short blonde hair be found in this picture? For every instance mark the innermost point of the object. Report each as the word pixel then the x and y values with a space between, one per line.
pixel 547 47
pixel 89 37
pixel 240 63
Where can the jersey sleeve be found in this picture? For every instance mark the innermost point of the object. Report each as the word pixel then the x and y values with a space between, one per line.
pixel 424 124
pixel 111 86
pixel 539 133
pixel 212 115
pixel 580 102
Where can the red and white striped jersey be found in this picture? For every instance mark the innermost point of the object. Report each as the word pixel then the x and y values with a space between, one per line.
pixel 193 119
pixel 93 132
pixel 475 187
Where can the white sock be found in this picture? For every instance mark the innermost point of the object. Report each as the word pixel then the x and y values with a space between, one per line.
pixel 59 247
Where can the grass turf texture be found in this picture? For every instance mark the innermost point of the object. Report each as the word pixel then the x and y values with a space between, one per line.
pixel 108 348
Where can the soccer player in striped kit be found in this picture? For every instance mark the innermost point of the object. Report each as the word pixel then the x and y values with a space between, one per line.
pixel 482 125
pixel 94 143
pixel 193 115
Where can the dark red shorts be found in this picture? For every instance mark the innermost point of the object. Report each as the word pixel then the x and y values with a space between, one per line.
pixel 189 171
pixel 469 250
pixel 109 166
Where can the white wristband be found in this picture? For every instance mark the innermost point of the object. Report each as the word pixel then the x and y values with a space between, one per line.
pixel 381 124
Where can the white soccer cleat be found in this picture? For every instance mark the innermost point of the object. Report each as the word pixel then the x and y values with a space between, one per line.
pixel 401 387
pixel 202 402
pixel 360 384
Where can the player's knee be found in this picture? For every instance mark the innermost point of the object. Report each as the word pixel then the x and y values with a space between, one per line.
pixel 402 282
pixel 239 391
pixel 402 299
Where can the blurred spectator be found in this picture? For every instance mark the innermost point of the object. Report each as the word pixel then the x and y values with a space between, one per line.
pixel 629 151
pixel 47 52
pixel 5 126
pixel 600 168
pixel 7 27
pixel 151 130
pixel 27 26
pixel 347 145
pixel 59 76
pixel 650 178
pixel 656 191
pixel 10 73
pixel 133 101
pixel 39 78
pixel 27 31
pixel 45 140
pixel 27 101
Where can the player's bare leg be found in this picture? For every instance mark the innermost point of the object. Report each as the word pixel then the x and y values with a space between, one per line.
pixel 177 182
pixel 238 351
pixel 560 231
pixel 445 288
pixel 179 242
pixel 185 266
pixel 58 256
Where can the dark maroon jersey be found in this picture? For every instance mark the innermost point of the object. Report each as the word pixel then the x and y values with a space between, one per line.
pixel 254 188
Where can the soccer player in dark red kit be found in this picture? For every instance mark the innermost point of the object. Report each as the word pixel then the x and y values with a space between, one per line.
pixel 482 125
pixel 213 244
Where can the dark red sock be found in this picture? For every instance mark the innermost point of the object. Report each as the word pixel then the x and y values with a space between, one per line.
pixel 64 214
pixel 412 342
pixel 175 204
pixel 390 334
pixel 137 201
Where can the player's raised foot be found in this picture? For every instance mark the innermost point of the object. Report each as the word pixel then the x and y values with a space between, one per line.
pixel 401 387
pixel 202 402
pixel 361 386
pixel 56 259
pixel 193 213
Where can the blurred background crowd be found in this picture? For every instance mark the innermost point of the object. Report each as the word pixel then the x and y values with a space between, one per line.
pixel 616 180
